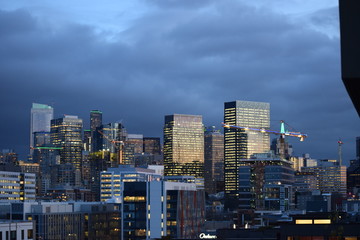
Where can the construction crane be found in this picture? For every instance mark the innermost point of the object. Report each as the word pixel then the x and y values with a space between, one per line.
pixel 118 147
pixel 282 132
pixel 340 151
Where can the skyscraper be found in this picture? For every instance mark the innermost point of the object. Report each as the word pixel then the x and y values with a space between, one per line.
pixel 152 145
pixel 265 183
pixel 90 135
pixel 41 115
pixel 66 134
pixel 214 161
pixel 240 143
pixel 95 119
pixel 183 145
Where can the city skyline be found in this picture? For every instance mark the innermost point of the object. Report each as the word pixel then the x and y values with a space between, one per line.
pixel 154 59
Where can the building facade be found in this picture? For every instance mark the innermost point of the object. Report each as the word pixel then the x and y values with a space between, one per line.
pixel 95 119
pixel 214 161
pixel 17 230
pixel 66 134
pixel 111 138
pixel 240 143
pixel 17 186
pixel 184 145
pixel 265 183
pixel 65 220
pixel 153 207
pixel 152 145
pixel 40 117
pixel 331 176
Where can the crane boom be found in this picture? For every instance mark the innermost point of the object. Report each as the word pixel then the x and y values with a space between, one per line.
pixel 282 132
pixel 118 147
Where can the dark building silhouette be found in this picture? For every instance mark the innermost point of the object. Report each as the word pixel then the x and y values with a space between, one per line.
pixel 214 160
pixel 152 145
pixel 350 48
pixel 95 119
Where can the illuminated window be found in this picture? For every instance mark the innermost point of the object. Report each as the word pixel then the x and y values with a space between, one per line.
pixel 134 199
pixel 322 221
pixel 304 221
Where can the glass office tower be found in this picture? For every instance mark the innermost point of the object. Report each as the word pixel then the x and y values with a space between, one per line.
pixel 214 161
pixel 240 143
pixel 41 115
pixel 152 145
pixel 183 145
pixel 66 134
pixel 95 119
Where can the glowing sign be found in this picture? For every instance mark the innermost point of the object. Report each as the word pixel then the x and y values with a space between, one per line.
pixel 207 236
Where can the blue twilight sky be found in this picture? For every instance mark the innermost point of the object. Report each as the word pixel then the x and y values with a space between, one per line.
pixel 138 60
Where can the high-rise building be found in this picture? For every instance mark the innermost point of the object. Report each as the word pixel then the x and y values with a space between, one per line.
pixel 184 145
pixel 107 133
pixel 87 140
pixel 41 115
pixel 353 178
pixel 214 160
pixel 265 183
pixel 91 134
pixel 152 145
pixel 133 146
pixel 137 141
pixel 17 186
pixel 241 143
pixel 95 119
pixel 331 176
pixel 45 155
pixel 66 135
pixel 8 156
pixel 281 147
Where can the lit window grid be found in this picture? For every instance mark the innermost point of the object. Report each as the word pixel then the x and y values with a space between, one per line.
pixel 242 144
pixel 184 146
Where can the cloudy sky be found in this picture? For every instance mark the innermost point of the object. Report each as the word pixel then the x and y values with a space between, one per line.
pixel 138 60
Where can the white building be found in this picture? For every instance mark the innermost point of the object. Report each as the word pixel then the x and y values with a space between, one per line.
pixel 16 230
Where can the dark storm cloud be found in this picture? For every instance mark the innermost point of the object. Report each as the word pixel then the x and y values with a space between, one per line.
pixel 179 60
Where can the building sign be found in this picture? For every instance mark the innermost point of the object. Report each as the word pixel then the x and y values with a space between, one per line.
pixel 207 236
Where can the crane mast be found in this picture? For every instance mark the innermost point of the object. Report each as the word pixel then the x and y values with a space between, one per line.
pixel 119 147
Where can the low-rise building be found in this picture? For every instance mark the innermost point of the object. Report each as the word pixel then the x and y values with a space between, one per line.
pixel 17 186
pixel 153 207
pixel 16 230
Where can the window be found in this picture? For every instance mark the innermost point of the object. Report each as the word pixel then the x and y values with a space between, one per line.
pixel 30 233
pixel 13 235
pixel 303 221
